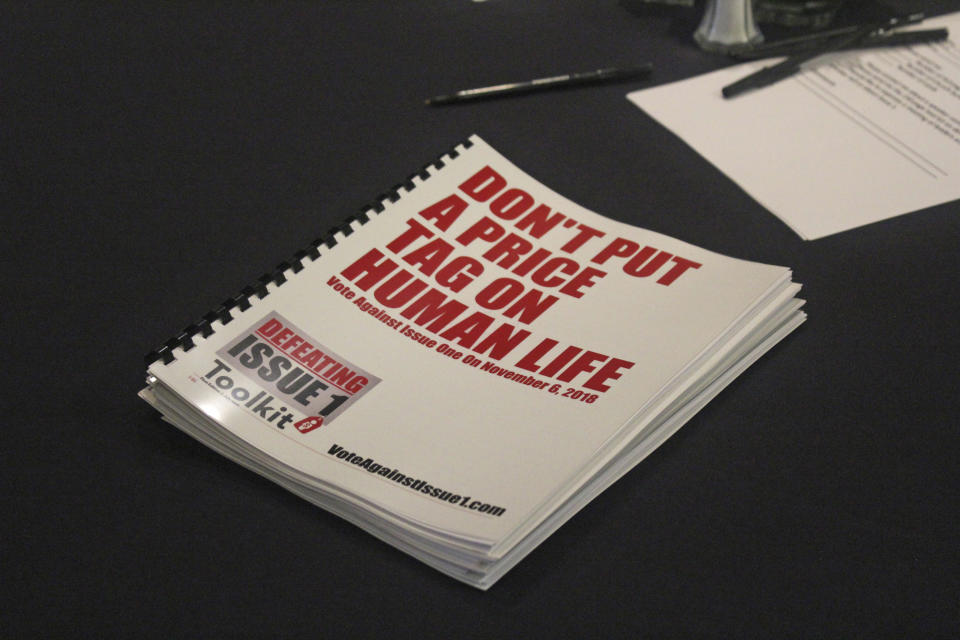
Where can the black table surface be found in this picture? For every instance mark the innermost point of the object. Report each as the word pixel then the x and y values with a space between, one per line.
pixel 159 156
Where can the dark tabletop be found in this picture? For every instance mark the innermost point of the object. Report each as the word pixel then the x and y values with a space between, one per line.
pixel 159 156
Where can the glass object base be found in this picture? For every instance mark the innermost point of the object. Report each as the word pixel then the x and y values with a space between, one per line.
pixel 727 26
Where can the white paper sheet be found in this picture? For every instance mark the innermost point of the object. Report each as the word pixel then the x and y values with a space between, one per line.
pixel 856 137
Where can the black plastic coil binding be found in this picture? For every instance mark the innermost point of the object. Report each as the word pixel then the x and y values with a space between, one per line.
pixel 258 288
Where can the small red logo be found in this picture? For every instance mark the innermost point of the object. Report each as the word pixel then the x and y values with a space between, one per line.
pixel 309 424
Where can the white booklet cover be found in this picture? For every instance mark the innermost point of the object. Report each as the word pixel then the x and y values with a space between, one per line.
pixel 460 361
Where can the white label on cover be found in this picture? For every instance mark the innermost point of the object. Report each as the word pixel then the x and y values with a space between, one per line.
pixel 293 374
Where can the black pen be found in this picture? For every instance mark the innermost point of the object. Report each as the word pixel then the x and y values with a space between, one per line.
pixel 795 46
pixel 527 86
pixel 777 72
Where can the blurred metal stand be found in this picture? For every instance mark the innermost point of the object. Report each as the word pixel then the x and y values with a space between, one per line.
pixel 727 26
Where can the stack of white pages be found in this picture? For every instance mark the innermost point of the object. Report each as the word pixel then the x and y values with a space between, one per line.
pixel 461 367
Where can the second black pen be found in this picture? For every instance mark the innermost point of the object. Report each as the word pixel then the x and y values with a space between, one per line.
pixel 587 77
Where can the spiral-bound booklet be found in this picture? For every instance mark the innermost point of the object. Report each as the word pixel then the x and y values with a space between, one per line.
pixel 462 366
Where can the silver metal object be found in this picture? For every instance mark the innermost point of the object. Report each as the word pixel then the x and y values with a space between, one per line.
pixel 727 25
